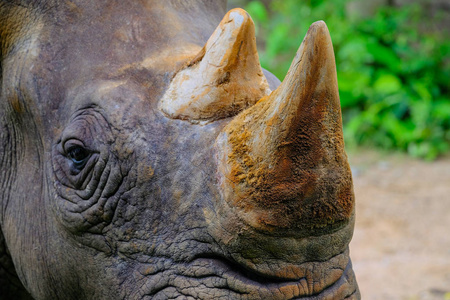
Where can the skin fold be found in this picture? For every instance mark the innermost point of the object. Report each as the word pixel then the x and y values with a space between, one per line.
pixel 114 187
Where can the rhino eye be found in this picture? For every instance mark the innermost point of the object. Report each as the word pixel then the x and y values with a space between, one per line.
pixel 77 154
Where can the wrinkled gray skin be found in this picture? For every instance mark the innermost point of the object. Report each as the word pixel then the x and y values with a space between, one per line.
pixel 104 197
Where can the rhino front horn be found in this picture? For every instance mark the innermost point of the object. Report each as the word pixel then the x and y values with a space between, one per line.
pixel 282 161
pixel 224 78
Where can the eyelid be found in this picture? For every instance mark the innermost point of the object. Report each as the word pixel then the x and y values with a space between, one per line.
pixel 71 143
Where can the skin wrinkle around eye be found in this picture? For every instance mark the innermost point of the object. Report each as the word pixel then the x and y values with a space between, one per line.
pixel 99 209
pixel 95 182
pixel 87 199
pixel 79 203
pixel 63 171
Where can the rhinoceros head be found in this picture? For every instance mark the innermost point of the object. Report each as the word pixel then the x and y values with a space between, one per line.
pixel 145 154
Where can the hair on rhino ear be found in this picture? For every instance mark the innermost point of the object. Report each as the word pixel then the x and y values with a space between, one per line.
pixel 20 25
pixel 223 79
pixel 19 19
pixel 14 21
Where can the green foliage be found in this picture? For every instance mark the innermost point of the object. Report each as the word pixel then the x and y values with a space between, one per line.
pixel 393 75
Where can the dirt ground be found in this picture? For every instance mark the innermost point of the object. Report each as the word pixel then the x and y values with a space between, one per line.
pixel 401 246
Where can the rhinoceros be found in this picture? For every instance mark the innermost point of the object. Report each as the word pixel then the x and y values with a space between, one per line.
pixel 145 154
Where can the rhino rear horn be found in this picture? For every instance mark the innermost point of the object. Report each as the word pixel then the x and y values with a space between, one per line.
pixel 282 161
pixel 223 79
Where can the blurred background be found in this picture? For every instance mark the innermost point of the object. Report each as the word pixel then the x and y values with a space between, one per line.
pixel 393 66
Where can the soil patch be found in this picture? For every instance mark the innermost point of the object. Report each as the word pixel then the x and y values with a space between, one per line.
pixel 401 245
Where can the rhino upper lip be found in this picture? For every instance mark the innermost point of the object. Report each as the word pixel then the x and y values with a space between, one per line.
pixel 239 278
pixel 231 267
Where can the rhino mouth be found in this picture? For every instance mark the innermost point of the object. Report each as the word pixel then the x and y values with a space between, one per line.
pixel 215 276
pixel 254 284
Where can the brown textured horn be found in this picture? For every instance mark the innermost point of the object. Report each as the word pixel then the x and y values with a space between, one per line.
pixel 282 161
pixel 223 79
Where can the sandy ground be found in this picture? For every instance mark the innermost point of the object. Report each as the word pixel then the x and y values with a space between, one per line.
pixel 401 246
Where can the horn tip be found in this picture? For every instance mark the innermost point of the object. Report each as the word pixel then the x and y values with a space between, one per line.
pixel 238 15
pixel 319 27
pixel 319 23
pixel 239 11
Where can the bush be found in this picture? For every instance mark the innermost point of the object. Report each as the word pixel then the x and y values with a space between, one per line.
pixel 393 74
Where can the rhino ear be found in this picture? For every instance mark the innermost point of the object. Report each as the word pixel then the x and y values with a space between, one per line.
pixel 224 78
pixel 20 26
pixel 14 24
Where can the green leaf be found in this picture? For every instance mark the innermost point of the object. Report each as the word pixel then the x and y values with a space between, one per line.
pixel 441 109
pixel 422 91
pixel 384 56
pixel 387 84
